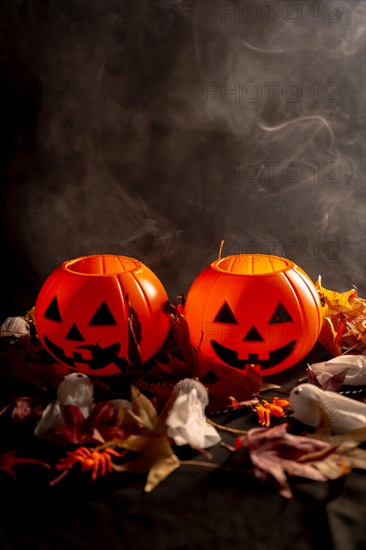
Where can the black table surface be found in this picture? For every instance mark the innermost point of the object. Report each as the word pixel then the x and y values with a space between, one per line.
pixel 193 508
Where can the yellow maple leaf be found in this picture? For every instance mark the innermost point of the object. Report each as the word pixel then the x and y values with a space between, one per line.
pixel 153 452
pixel 154 455
pixel 344 318
pixel 338 302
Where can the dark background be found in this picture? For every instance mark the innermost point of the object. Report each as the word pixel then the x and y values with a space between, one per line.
pixel 156 128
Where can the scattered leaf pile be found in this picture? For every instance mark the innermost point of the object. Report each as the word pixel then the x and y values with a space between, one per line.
pixel 344 320
pixel 133 437
pixel 277 455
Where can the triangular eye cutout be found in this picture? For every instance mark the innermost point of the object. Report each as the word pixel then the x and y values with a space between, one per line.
pixel 53 311
pixel 225 315
pixel 74 334
pixel 103 316
pixel 280 315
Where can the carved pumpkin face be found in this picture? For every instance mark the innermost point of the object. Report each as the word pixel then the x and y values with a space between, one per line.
pixel 82 312
pixel 253 309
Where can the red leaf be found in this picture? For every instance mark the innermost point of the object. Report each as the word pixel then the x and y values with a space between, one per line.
pixel 158 393
pixel 181 335
pixel 340 331
pixel 275 453
pixel 104 418
pixel 10 460
pixel 22 363
pixel 134 335
pixel 102 424
pixel 333 383
pixel 311 378
pixel 227 383
pixel 174 366
pixel 75 431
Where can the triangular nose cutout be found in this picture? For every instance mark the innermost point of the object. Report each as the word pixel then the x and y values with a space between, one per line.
pixel 74 334
pixel 253 336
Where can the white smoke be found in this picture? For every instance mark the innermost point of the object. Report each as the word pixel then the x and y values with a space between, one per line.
pixel 166 126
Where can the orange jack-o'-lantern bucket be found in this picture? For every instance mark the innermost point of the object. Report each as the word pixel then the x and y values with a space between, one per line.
pixel 82 312
pixel 253 309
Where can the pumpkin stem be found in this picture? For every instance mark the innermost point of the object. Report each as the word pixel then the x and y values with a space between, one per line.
pixel 220 249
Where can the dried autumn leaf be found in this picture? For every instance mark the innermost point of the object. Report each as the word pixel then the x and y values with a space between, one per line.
pixel 338 302
pixel 275 454
pixel 10 460
pixel 344 320
pixel 106 419
pixel 333 383
pixel 340 329
pixel 160 392
pixel 355 458
pixel 174 366
pixel 154 455
pixel 23 363
pixel 134 335
pixel 181 335
pixel 103 424
pixel 143 412
pixel 327 337
pixel 75 430
pixel 29 316
pixel 347 455
pixel 223 383
pixel 357 436
pixel 345 459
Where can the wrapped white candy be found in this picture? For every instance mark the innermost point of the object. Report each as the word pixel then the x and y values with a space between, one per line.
pixel 75 389
pixel 186 421
pixel 355 365
pixel 345 414
pixel 14 326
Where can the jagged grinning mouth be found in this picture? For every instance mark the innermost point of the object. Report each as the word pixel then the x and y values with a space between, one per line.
pixel 101 357
pixel 230 357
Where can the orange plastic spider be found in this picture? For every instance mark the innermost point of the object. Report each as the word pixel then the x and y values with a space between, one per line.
pixel 266 410
pixel 100 462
